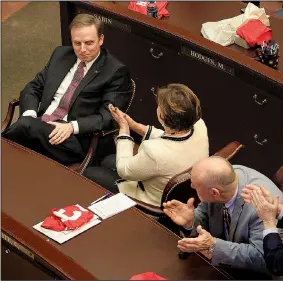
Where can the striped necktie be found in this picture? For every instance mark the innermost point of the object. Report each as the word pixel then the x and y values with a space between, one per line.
pixel 227 222
pixel 64 105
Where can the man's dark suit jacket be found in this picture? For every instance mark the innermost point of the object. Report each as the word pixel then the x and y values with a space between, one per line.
pixel 107 81
pixel 273 252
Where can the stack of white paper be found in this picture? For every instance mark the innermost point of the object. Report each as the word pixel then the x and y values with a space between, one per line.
pixel 112 206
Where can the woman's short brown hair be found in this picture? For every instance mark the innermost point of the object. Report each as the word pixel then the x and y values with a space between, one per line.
pixel 179 105
pixel 81 20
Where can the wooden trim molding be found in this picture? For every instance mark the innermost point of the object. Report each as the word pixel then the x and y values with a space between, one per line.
pixel 38 249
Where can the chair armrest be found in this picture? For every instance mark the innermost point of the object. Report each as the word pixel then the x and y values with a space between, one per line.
pixel 10 114
pixel 92 148
pixel 105 133
pixel 148 208
pixel 229 150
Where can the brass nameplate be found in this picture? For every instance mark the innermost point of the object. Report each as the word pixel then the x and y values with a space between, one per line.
pixel 210 61
pixel 107 20
pixel 15 244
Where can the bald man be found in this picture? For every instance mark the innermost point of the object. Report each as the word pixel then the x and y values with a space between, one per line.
pixel 229 232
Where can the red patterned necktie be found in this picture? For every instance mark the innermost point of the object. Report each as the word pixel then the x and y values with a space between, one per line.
pixel 63 108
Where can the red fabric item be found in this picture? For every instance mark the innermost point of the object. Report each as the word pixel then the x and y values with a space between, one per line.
pixel 147 276
pixel 53 223
pixel 254 32
pixel 68 218
pixel 264 37
pixel 140 6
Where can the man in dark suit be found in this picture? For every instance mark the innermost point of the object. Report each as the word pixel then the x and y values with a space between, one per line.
pixel 68 100
pixel 269 210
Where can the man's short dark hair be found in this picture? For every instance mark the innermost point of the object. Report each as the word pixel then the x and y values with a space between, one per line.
pixel 81 20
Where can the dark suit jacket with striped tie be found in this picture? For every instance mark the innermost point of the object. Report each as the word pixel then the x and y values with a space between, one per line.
pixel 107 81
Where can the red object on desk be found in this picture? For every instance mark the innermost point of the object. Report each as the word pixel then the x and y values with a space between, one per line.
pixel 147 276
pixel 68 218
pixel 254 32
pixel 140 6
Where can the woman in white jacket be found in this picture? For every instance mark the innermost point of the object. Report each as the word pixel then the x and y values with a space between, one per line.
pixel 162 153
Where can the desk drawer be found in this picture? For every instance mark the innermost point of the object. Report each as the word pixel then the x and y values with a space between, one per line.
pixel 266 159
pixel 265 114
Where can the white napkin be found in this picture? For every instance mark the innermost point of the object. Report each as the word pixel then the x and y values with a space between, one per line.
pixel 223 32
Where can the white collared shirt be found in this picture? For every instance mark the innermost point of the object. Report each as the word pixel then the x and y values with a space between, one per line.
pixel 231 204
pixel 60 92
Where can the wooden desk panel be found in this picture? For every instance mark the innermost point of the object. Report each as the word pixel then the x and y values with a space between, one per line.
pixel 119 247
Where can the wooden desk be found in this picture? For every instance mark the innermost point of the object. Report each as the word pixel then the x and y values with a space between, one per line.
pixel 119 247
pixel 191 16
pixel 241 98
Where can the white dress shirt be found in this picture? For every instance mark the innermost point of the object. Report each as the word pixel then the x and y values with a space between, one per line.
pixel 231 204
pixel 61 91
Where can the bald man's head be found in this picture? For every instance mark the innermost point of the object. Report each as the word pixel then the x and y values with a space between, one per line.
pixel 213 173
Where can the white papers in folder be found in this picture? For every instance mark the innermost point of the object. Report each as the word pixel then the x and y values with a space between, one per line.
pixel 112 206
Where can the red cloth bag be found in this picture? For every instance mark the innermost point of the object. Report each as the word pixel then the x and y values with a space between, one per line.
pixel 147 276
pixel 254 32
pixel 140 7
pixel 68 218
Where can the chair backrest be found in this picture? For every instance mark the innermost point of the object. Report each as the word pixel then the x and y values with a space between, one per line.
pixel 278 178
pixel 179 186
pixel 133 95
pixel 128 107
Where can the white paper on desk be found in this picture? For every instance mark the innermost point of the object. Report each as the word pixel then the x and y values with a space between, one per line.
pixel 112 206
pixel 63 236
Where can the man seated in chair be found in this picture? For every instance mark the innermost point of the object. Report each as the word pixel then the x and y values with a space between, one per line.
pixel 68 100
pixel 229 232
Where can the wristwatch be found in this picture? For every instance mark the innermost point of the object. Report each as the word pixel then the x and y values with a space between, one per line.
pixel 211 249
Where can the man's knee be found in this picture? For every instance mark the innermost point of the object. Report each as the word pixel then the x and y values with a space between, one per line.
pixel 22 126
pixel 27 128
pixel 25 123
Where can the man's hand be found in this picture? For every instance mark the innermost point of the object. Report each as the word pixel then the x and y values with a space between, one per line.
pixel 249 189
pixel 61 132
pixel 180 213
pixel 203 242
pixel 265 210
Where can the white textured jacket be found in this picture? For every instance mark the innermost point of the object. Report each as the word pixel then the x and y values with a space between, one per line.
pixel 158 159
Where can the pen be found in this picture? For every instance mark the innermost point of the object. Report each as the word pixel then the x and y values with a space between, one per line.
pixel 101 198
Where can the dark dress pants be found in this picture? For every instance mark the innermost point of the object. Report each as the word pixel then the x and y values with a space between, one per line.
pixel 34 134
pixel 106 174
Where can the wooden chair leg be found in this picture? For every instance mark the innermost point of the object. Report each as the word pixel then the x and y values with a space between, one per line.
pixel 90 153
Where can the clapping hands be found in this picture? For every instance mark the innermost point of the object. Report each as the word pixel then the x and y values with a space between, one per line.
pixel 267 208
pixel 180 213
pixel 120 117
